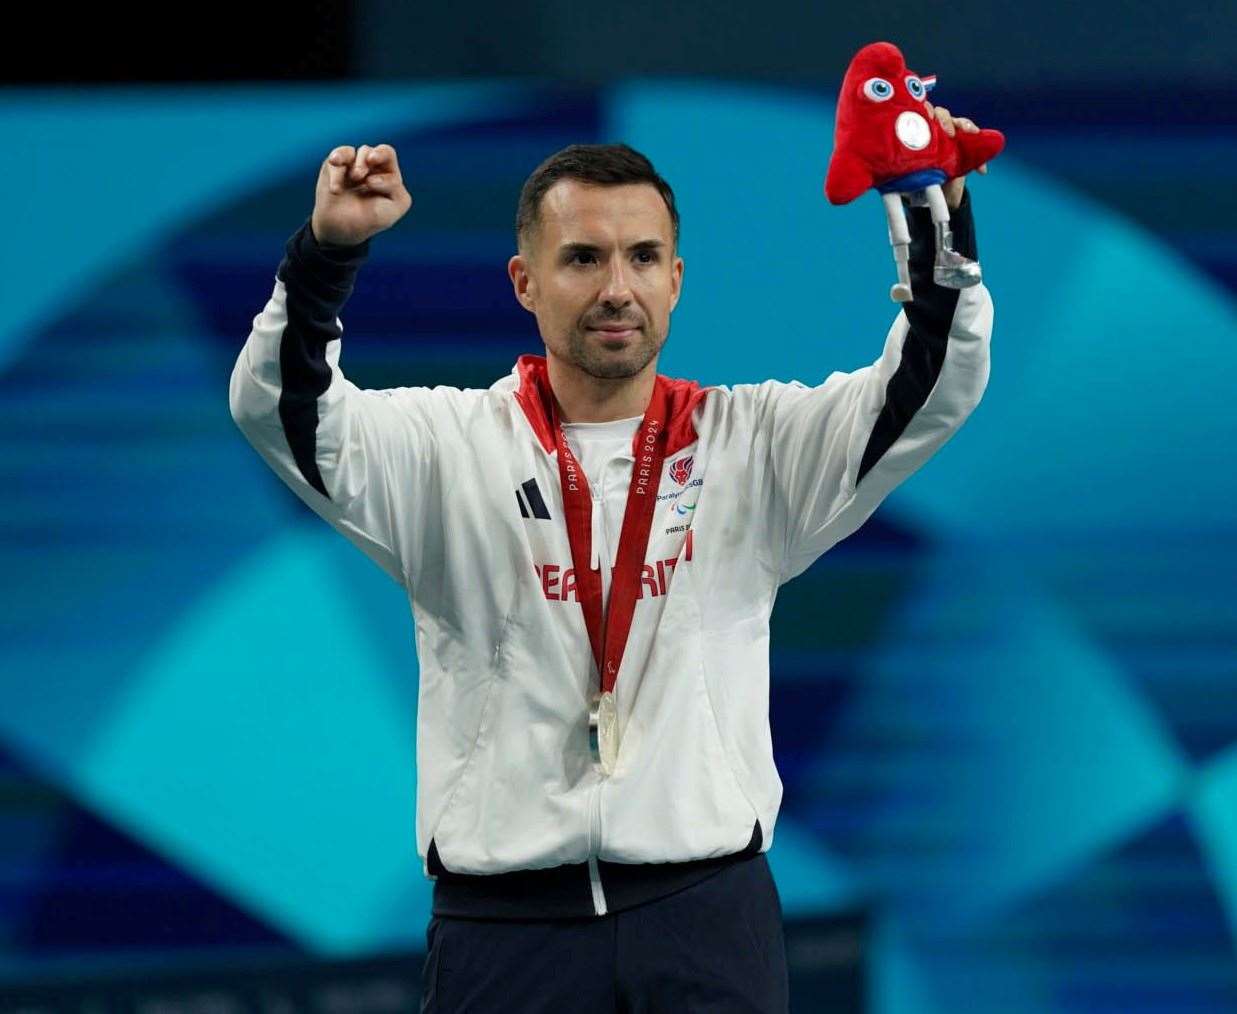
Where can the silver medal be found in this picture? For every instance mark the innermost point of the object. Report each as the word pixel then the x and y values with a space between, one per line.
pixel 603 731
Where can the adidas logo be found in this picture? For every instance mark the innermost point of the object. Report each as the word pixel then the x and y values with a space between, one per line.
pixel 532 503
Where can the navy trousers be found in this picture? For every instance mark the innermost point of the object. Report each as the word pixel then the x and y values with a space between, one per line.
pixel 715 946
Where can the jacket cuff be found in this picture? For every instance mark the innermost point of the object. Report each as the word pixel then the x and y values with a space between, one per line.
pixel 931 309
pixel 329 270
pixel 961 224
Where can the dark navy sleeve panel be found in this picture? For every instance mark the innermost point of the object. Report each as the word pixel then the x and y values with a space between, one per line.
pixel 366 461
pixel 319 280
pixel 930 316
pixel 325 272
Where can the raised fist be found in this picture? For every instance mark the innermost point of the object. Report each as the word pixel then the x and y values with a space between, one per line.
pixel 360 193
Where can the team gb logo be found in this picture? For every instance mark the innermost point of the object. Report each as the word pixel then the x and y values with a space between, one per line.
pixel 681 470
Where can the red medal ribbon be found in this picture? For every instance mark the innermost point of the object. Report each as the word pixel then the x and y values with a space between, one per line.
pixel 608 634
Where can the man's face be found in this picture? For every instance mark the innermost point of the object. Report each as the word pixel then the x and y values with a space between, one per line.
pixel 601 276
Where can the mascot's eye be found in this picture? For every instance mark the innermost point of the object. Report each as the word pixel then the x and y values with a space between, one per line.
pixel 915 87
pixel 878 89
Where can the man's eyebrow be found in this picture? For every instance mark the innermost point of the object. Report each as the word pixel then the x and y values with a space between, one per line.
pixel 592 248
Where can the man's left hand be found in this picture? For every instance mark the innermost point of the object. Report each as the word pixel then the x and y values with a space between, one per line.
pixel 951 124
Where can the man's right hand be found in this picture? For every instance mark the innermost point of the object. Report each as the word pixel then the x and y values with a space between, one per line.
pixel 360 193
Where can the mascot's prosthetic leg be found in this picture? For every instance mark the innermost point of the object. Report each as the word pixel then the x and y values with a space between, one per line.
pixel 885 137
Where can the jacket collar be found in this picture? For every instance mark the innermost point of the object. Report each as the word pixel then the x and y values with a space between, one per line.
pixel 534 394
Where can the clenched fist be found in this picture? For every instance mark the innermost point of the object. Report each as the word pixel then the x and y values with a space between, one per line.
pixel 360 193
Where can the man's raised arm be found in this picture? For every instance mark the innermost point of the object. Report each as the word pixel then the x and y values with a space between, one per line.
pixel 356 457
pixel 840 448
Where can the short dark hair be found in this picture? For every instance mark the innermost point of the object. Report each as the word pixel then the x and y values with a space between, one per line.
pixel 604 164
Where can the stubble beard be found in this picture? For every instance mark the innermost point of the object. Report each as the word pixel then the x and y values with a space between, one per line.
pixel 584 353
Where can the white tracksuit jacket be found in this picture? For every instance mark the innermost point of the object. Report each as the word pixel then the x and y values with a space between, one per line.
pixel 455 494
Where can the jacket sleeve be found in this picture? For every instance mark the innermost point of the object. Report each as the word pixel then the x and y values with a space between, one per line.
pixel 360 459
pixel 838 449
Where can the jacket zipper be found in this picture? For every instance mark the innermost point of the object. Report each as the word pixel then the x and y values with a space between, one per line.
pixel 594 872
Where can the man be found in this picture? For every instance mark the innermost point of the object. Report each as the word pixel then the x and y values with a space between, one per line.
pixel 591 552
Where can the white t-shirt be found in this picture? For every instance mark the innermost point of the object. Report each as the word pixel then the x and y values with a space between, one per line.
pixel 604 452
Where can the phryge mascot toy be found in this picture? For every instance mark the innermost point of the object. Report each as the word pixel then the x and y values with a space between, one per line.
pixel 886 137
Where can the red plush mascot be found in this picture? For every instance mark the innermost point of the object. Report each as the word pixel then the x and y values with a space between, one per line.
pixel 886 137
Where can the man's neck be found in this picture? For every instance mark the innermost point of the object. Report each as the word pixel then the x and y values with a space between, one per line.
pixel 584 398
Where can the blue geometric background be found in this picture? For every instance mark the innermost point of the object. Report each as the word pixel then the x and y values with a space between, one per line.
pixel 1004 712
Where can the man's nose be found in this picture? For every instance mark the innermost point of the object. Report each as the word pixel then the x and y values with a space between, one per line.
pixel 617 289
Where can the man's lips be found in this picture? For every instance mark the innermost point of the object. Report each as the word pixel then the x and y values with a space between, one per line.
pixel 616 330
